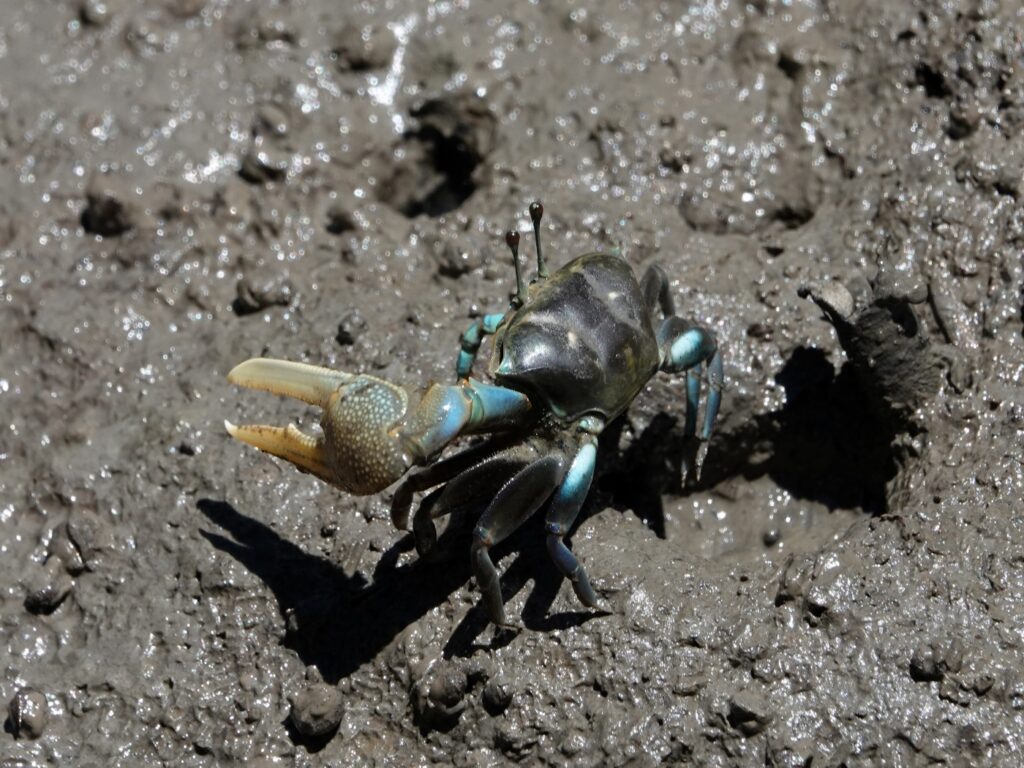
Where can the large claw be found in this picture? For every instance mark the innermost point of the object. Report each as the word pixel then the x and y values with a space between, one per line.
pixel 371 433
pixel 363 449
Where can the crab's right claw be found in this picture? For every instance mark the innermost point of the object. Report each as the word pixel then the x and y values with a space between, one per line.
pixel 361 450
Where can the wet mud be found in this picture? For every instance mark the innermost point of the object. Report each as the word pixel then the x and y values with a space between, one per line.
pixel 834 189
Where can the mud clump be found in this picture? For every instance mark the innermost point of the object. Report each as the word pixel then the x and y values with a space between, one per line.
pixel 28 714
pixel 884 339
pixel 317 710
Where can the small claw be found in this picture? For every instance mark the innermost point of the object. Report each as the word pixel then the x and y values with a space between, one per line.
pixel 289 443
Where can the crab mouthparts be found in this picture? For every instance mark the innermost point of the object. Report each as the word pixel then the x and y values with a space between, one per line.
pixel 309 383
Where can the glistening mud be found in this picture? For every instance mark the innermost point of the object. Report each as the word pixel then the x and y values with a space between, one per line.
pixel 189 184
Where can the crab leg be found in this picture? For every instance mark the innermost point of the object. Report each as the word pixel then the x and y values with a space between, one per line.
pixel 565 506
pixel 684 348
pixel 516 501
pixel 470 341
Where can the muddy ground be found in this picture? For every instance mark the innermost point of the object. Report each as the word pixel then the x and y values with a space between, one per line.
pixel 188 183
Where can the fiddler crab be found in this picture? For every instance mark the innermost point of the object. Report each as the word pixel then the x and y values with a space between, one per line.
pixel 570 354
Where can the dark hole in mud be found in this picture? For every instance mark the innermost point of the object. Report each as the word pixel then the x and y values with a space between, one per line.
pixel 933 81
pixel 792 217
pixel 455 163
pixel 444 156
pixel 823 445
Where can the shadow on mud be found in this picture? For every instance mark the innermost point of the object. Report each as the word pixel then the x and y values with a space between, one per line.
pixel 824 445
pixel 338 622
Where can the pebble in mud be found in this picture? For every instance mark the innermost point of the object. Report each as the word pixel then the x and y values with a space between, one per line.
pixel 48 588
pixel 497 696
pixel 28 714
pixel 317 709
pixel 440 699
pixel 264 162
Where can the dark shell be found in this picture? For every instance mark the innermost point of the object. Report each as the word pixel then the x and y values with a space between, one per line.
pixel 584 342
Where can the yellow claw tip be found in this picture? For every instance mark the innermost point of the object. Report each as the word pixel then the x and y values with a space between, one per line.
pixel 230 428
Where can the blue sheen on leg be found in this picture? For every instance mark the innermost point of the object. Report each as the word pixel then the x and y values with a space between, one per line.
pixel 471 340
pixel 716 379
pixel 689 349
pixel 692 401
pixel 565 506
pixel 447 411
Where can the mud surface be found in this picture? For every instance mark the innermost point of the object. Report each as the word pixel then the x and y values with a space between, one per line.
pixel 188 183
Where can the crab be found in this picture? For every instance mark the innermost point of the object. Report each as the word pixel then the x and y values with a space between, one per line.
pixel 571 353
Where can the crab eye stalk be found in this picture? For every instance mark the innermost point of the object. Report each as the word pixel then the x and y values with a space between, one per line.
pixel 512 241
pixel 536 213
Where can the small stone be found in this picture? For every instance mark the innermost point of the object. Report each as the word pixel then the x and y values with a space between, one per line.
pixel 96 12
pixel 28 714
pixel 317 710
pixel 497 696
pixel 931 662
pixel 48 590
pixel 271 120
pixel 448 687
pixel 454 261
pixel 924 667
pixel 66 552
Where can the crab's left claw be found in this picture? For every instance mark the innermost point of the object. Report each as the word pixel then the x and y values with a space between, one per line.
pixel 362 449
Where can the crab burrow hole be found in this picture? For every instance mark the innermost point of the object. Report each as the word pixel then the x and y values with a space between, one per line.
pixel 776 481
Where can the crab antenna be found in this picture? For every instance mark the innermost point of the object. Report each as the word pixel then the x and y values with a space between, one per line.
pixel 512 241
pixel 536 212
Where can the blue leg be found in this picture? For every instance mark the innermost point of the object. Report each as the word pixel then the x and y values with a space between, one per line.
pixel 470 342
pixel 519 498
pixel 564 507
pixel 684 347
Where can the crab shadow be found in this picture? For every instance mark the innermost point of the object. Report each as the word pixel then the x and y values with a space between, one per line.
pixel 339 621
pixel 824 444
